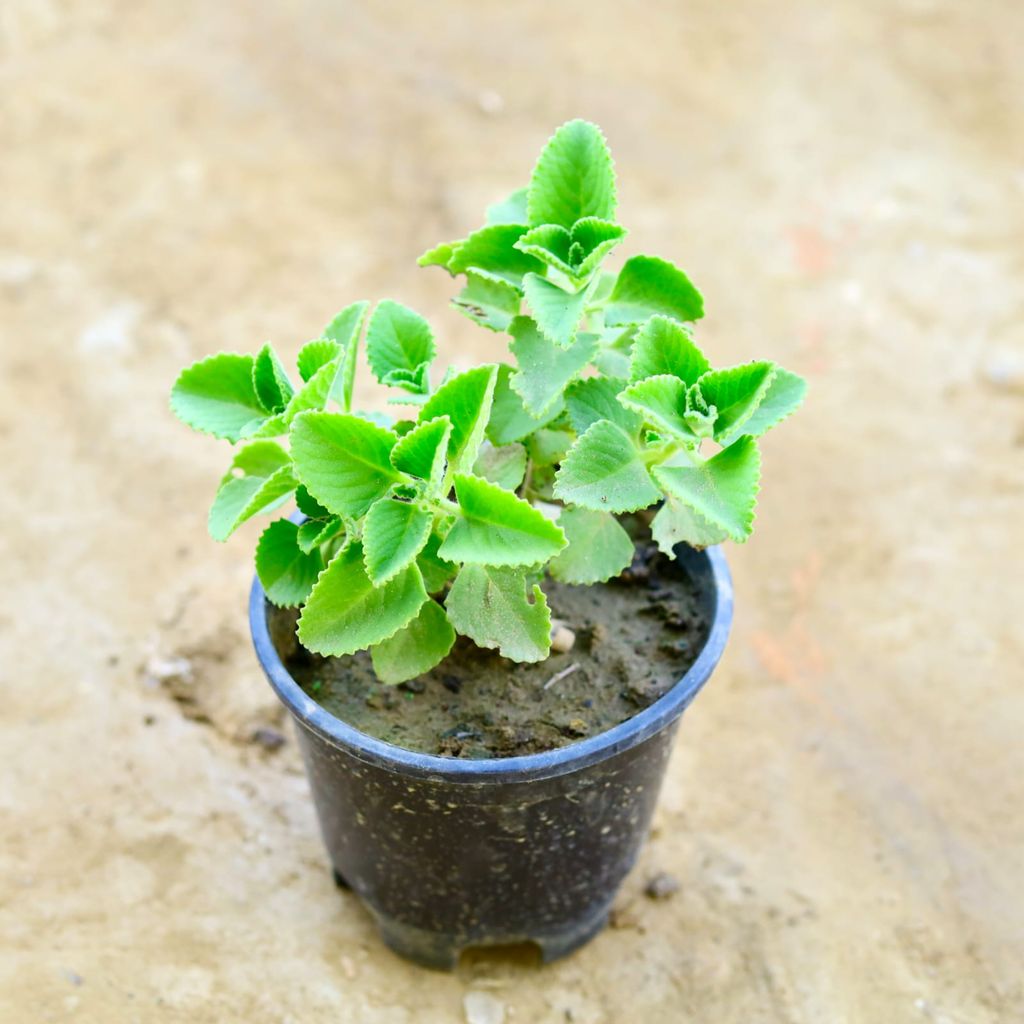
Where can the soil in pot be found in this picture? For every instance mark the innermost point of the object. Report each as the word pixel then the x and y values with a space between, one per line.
pixel 635 637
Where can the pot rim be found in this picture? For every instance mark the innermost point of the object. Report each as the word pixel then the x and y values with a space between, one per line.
pixel 523 767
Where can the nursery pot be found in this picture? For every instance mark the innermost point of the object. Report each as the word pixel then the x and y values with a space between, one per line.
pixel 449 853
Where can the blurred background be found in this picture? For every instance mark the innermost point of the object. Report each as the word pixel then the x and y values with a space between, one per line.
pixel 845 182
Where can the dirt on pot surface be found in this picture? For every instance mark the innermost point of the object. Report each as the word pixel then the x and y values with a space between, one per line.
pixel 843 180
pixel 635 637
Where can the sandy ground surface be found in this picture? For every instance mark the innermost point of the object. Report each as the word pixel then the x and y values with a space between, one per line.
pixel 845 180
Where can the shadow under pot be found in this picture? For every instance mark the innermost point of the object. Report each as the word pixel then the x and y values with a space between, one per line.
pixel 449 854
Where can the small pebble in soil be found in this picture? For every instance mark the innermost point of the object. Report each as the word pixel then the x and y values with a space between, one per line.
pixel 563 639
pixel 453 683
pixel 414 686
pixel 483 1008
pixel 268 738
pixel 661 887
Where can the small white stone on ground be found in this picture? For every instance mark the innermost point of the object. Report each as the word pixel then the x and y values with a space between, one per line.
pixel 483 1008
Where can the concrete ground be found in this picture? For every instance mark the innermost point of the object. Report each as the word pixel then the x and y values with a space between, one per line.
pixel 845 180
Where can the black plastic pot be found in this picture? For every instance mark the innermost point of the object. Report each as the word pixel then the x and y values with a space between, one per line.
pixel 448 854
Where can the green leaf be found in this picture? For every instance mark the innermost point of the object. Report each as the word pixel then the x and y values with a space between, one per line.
pixel 604 471
pixel 415 648
pixel 722 490
pixel 260 480
pixel 314 532
pixel 510 419
pixel 439 256
pixel 394 533
pixel 491 606
pixel 494 527
pixel 599 548
pixel 574 178
pixel 735 393
pixel 466 401
pixel 661 400
pixel 488 300
pixel 677 523
pixel 273 388
pixel 399 346
pixel 549 243
pixel 343 460
pixel 346 613
pixel 346 329
pixel 700 417
pixel 596 239
pixel 784 395
pixel 547 446
pixel 217 396
pixel 436 571
pixel 286 572
pixel 308 505
pixel 648 285
pixel 544 368
pixel 493 249
pixel 504 465
pixel 315 354
pixel 664 346
pixel 422 452
pixel 596 398
pixel 510 210
pixel 556 312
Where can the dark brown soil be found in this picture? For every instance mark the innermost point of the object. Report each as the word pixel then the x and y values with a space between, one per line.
pixel 635 637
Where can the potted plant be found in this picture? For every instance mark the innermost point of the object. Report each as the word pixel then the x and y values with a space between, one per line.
pixel 484 771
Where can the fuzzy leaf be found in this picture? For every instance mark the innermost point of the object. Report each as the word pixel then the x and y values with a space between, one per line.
pixel 784 395
pixel 286 572
pixel 557 313
pixel 346 613
pixel 439 256
pixel 488 300
pixel 504 465
pixel 466 400
pixel 599 548
pixel 399 346
pixel 415 648
pixel 217 396
pixel 544 368
pixel 436 571
pixel 314 532
pixel 548 446
pixel 596 239
pixel 345 329
pixel 722 490
pixel 491 606
pixel 394 533
pixel 677 523
pixel 510 210
pixel 735 393
pixel 494 527
pixel 661 401
pixel 647 286
pixel 573 178
pixel 422 451
pixel 315 354
pixel 550 243
pixel 260 480
pixel 664 346
pixel 343 460
pixel 308 505
pixel 596 398
pixel 273 388
pixel 492 248
pixel 603 471
pixel 510 419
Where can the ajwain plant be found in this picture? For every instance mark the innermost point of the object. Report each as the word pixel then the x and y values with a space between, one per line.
pixel 444 519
